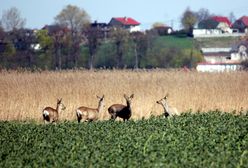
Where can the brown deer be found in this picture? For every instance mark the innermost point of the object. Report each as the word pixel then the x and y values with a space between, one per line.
pixel 90 114
pixel 50 114
pixel 168 110
pixel 122 111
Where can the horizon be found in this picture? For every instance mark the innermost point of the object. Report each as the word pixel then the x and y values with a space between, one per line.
pixel 146 13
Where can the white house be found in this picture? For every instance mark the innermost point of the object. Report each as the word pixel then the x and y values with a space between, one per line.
pixel 214 26
pixel 223 59
pixel 126 23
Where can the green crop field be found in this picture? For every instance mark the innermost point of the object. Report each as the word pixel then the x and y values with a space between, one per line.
pixel 211 139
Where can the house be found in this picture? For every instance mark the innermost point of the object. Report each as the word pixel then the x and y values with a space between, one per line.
pixel 215 25
pixel 55 29
pixel 102 28
pixel 218 67
pixel 125 22
pixel 163 30
pixel 239 51
pixel 218 60
pixel 224 59
pixel 241 24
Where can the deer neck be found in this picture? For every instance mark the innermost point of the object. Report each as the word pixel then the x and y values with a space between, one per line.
pixel 166 107
pixel 129 105
pixel 100 107
pixel 59 108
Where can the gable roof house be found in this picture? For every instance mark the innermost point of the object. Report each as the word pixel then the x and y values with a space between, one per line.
pixel 241 24
pixel 126 23
pixel 213 26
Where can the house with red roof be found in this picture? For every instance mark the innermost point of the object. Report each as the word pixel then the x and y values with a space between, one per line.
pixel 216 22
pixel 126 23
pixel 216 25
pixel 241 24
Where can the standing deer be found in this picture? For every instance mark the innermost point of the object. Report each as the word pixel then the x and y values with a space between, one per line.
pixel 122 111
pixel 90 114
pixel 168 110
pixel 52 115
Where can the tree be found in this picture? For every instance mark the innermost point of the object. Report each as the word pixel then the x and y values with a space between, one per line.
pixel 140 47
pixel 76 20
pixel 202 14
pixel 188 20
pixel 93 36
pixel 12 20
pixel 119 36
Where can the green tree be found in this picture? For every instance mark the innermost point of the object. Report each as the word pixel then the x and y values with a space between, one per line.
pixel 45 55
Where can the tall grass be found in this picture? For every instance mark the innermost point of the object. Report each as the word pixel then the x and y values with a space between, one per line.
pixel 23 95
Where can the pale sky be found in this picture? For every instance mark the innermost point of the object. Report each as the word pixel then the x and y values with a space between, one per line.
pixel 41 12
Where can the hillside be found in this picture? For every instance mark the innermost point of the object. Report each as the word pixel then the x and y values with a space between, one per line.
pixel 174 41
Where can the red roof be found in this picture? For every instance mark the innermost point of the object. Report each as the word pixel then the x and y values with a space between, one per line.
pixel 222 19
pixel 127 21
pixel 244 19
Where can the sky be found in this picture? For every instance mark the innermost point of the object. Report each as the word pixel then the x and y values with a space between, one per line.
pixel 39 13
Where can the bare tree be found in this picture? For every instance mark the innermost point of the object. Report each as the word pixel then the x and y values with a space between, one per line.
pixel 76 20
pixel 203 14
pixel 12 20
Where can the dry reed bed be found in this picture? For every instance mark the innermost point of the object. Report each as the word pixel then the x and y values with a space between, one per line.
pixel 23 95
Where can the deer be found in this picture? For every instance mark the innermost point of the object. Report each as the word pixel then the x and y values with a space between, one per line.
pixel 51 115
pixel 168 110
pixel 121 111
pixel 90 114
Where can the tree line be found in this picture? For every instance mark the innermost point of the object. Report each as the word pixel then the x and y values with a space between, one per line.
pixel 72 42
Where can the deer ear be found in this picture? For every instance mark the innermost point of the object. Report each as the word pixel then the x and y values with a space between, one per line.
pixel 102 96
pixel 59 100
pixel 132 96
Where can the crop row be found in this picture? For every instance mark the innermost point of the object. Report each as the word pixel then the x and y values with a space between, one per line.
pixel 211 139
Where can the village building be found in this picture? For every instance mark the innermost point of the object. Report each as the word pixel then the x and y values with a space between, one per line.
pixel 241 24
pixel 125 22
pixel 223 59
pixel 216 25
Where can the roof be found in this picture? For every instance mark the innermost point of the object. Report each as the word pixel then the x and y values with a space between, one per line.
pixel 208 24
pixel 126 21
pixel 55 28
pixel 222 19
pixel 244 19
